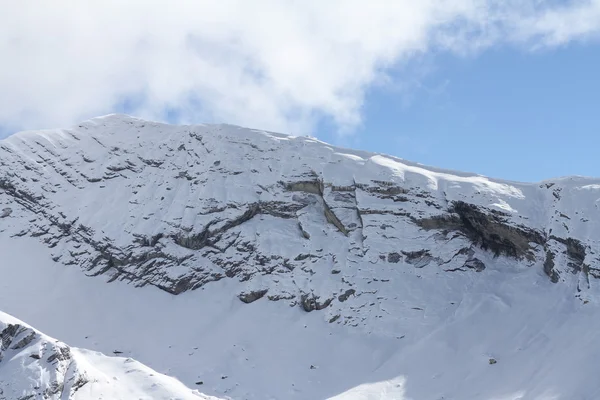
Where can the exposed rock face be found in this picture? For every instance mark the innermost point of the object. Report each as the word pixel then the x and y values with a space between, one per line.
pixel 178 207
pixel 489 229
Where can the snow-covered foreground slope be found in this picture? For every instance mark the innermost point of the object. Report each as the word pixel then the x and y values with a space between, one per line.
pixel 291 269
pixel 36 366
pixel 545 341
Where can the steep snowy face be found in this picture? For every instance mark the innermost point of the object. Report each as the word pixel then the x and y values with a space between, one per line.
pixel 405 280
pixel 36 366
pixel 294 219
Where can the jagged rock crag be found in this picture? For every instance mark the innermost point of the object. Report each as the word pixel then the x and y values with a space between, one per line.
pixel 59 375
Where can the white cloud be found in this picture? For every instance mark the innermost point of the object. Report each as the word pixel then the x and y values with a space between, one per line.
pixel 274 64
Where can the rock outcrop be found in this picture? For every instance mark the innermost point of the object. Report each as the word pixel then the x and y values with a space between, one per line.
pixel 38 353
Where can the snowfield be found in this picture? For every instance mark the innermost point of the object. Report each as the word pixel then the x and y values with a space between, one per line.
pixel 254 265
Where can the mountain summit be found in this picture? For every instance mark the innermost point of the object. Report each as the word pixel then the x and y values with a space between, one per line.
pixel 387 276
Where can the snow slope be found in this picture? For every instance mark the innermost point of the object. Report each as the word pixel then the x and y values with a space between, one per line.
pixel 36 366
pixel 403 280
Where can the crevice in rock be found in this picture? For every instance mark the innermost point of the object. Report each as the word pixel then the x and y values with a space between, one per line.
pixel 333 219
pixel 549 267
pixel 317 187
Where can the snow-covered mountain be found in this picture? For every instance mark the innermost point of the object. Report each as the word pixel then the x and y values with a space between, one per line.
pixel 35 366
pixel 260 265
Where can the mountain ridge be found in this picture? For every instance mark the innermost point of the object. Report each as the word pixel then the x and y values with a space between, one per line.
pixel 433 168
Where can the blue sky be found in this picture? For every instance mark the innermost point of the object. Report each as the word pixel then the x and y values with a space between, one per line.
pixel 504 113
pixel 505 88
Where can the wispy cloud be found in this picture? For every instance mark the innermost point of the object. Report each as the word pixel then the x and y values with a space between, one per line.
pixel 274 64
